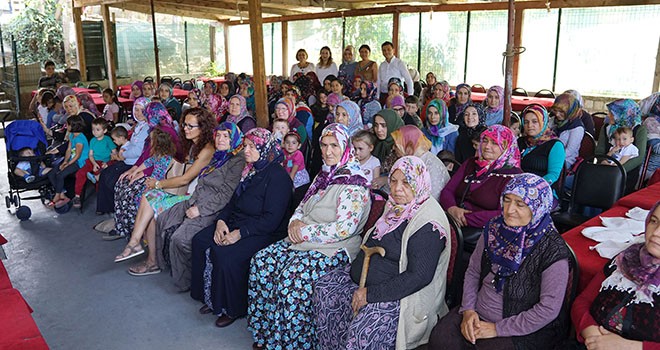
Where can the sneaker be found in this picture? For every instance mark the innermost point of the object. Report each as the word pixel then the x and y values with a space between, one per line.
pixel 76 202
pixel 112 236
pixel 29 178
pixel 91 177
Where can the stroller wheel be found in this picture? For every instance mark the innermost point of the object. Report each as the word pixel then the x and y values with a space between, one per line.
pixel 8 202
pixel 15 200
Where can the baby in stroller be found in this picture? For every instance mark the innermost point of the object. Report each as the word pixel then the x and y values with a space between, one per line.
pixel 24 168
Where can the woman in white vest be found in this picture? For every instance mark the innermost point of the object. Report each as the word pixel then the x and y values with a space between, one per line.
pixel 405 289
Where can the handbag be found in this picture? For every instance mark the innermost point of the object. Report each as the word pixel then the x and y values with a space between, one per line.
pixel 175 169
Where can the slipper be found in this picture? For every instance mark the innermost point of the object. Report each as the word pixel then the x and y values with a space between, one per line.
pixel 49 204
pixel 133 251
pixel 143 269
pixel 62 202
pixel 105 226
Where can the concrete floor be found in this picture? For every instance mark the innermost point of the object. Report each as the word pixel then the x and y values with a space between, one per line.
pixel 83 300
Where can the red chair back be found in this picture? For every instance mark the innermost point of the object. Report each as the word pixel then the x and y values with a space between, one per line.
pixel 587 147
pixel 599 120
pixel 378 200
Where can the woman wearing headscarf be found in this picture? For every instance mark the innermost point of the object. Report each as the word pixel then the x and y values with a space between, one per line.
pixel 459 102
pixel 385 122
pixel 427 92
pixel 438 129
pixel 348 113
pixel 227 90
pixel 569 128
pixel 136 90
pixel 541 151
pixel 472 196
pixel 368 102
pixel 405 286
pixel 514 287
pixel 472 123
pixel 87 103
pixel 131 153
pixel 253 219
pixel 494 105
pixel 348 64
pixel 439 91
pixel 587 119
pixel 246 89
pixel 285 109
pixel 217 105
pixel 239 115
pixel 324 234
pixel 619 307
pixel 625 112
pixel 166 94
pixel 410 141
pixel 650 109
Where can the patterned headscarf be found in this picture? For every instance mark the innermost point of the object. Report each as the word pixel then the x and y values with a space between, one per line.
pixel 231 87
pixel 383 148
pixel 650 108
pixel 626 113
pixel 417 175
pixel 507 246
pixel 269 152
pixel 275 85
pixel 65 91
pixel 354 116
pixel 74 99
pixel 437 133
pixel 506 140
pixel 198 96
pixel 333 99
pixel 157 115
pixel 546 133
pixel 372 94
pixel 243 113
pixel 290 106
pixel 500 92
pixel 212 84
pixel 87 102
pixel 395 81
pixel 346 172
pixel 577 96
pixel 447 90
pixel 569 105
pixel 139 84
pixel 410 138
pixel 140 102
pixel 461 107
pixel 217 105
pixel 170 90
pixel 221 157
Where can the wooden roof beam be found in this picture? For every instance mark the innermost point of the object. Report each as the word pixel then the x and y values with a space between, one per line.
pixel 209 5
pixel 170 11
pixel 330 4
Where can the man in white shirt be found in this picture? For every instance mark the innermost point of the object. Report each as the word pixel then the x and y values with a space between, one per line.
pixel 392 68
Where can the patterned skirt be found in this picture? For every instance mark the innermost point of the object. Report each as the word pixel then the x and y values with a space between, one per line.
pixel 280 294
pixel 160 200
pixel 374 327
pixel 127 201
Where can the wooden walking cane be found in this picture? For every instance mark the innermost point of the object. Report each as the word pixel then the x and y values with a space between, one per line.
pixel 368 252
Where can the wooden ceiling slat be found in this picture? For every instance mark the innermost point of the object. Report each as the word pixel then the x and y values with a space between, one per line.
pixel 206 5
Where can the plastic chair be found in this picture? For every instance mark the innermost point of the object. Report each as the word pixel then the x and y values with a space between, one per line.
pixel 188 85
pixel 378 200
pixel 166 79
pixel 599 119
pixel 595 185
pixel 148 80
pixel 176 80
pixel 587 147
pixel 95 86
pixel 519 92
pixel 455 268
pixel 545 93
pixel 478 88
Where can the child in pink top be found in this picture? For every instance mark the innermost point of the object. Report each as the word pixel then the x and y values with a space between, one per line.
pixel 294 162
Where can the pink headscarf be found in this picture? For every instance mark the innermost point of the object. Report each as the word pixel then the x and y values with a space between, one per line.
pixel 504 138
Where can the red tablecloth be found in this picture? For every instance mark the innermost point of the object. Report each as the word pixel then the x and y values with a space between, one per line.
pixel 180 94
pixel 216 80
pixel 76 89
pixel 100 104
pixel 644 198
pixel 518 103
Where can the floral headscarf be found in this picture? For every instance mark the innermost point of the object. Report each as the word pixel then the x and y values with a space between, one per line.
pixel 569 105
pixel 395 81
pixel 157 115
pixel 461 107
pixel 409 138
pixel 346 172
pixel 65 91
pixel 419 178
pixel 546 133
pixel 221 157
pixel 243 113
pixel 507 246
pixel 500 92
pixel 290 106
pixel 139 84
pixel 140 102
pixel 650 108
pixel 372 95
pixel 231 88
pixel 199 97
pixel 87 102
pixel 354 116
pixel 437 133
pixel 275 85
pixel 626 113
pixel 383 148
pixel 447 90
pixel 494 115
pixel 217 104
pixel 506 140
pixel 269 152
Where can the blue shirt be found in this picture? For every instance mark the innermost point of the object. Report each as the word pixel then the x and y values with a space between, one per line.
pixel 80 139
pixel 102 148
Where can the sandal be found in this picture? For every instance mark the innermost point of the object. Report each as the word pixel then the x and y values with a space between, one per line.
pixel 143 269
pixel 62 202
pixel 133 251
pixel 49 204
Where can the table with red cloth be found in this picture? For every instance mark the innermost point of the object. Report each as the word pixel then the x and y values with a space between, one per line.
pixel 100 104
pixel 76 89
pixel 216 80
pixel 17 328
pixel 518 103
pixel 590 261
pixel 125 92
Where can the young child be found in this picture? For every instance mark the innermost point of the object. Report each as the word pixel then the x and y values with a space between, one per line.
pixel 412 105
pixel 160 158
pixel 111 109
pixel 623 149
pixel 100 148
pixel 294 162
pixel 363 142
pixel 280 129
pixel 74 159
pixel 119 136
pixel 24 168
pixel 515 125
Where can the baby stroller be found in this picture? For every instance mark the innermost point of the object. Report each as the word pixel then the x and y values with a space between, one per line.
pixel 26 134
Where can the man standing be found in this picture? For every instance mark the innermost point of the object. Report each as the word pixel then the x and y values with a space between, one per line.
pixel 392 68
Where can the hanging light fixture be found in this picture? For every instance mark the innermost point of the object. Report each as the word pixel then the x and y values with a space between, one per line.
pixel 238 13
pixel 547 5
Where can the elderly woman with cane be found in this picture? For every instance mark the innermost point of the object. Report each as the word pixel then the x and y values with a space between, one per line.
pixel 401 268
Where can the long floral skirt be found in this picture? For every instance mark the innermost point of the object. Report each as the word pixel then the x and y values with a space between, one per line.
pixel 374 327
pixel 280 294
pixel 127 201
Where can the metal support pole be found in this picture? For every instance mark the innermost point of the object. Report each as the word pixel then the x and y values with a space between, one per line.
pixel 508 76
pixel 153 28
pixel 16 77
pixel 554 71
pixel 185 38
pixel 467 45
pixel 419 44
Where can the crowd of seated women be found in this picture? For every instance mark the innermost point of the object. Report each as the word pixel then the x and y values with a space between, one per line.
pixel 269 224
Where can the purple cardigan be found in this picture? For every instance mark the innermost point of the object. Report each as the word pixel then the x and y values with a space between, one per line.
pixel 488 303
pixel 483 198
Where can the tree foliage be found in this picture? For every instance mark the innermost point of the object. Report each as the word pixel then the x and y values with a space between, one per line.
pixel 38 33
